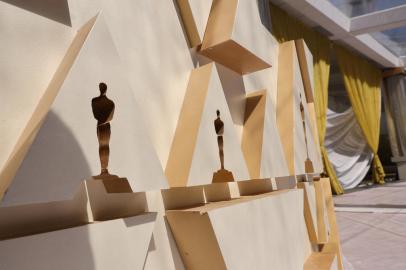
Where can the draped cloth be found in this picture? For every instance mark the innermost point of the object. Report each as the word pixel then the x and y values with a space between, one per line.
pixel 347 148
pixel 285 28
pixel 362 81
pixel 396 103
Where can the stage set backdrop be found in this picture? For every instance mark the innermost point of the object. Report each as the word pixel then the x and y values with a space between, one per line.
pixel 172 135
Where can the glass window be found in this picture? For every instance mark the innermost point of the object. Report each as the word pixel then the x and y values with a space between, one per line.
pixel 353 8
pixel 393 39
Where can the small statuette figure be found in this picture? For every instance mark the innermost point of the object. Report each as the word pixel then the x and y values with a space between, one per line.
pixel 103 111
pixel 308 163
pixel 221 175
pixel 219 127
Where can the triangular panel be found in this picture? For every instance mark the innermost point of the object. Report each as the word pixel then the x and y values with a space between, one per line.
pixel 306 67
pixel 65 150
pixel 288 114
pixel 194 155
pixel 261 144
pixel 195 14
pixel 31 128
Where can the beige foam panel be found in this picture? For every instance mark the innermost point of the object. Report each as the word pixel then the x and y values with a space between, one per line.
pixel 155 57
pixel 120 243
pixel 195 14
pixel 157 62
pixel 306 68
pixel 334 234
pixel 227 235
pixel 261 143
pixel 289 121
pixel 235 93
pixel 65 151
pixel 321 261
pixel 194 153
pixel 227 40
pixel 310 209
pixel 27 68
pixel 92 202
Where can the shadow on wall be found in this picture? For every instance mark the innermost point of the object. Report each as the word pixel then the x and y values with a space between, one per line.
pixel 53 168
pixel 234 91
pixel 56 10
pixel 47 253
pixel 174 249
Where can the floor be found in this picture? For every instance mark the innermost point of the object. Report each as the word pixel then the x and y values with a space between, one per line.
pixel 372 224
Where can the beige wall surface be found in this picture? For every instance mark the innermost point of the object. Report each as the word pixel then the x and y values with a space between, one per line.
pixel 65 150
pixel 52 60
pixel 31 49
pixel 115 244
pixel 276 223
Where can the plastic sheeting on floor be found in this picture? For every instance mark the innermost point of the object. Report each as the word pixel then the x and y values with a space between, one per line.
pixel 371 223
pixel 346 147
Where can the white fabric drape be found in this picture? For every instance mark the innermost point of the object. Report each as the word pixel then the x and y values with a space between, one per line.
pixel 346 147
pixel 397 100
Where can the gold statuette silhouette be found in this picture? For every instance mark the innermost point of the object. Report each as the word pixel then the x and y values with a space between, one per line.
pixel 308 163
pixel 103 111
pixel 221 175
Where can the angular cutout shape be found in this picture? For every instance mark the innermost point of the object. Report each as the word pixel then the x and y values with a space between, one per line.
pixel 194 155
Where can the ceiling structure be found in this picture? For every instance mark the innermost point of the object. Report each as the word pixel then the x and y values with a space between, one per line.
pixel 374 28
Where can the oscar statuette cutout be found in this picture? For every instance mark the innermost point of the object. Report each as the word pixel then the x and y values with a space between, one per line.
pixel 221 175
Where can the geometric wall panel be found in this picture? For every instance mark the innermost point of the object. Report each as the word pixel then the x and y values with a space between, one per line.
pixel 237 235
pixel 65 151
pixel 26 137
pixel 156 61
pixel 194 155
pixel 312 145
pixel 155 57
pixel 322 260
pixel 260 140
pixel 114 244
pixel 228 41
pixel 323 186
pixel 290 125
pixel 310 213
pixel 194 16
pixel 30 54
pixel 94 201
pixel 305 58
pixel 323 225
pixel 306 67
pixel 288 108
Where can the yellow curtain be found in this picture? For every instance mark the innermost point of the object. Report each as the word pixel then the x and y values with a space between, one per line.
pixel 286 28
pixel 363 83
